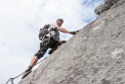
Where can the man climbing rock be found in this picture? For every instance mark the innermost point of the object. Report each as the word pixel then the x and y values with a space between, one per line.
pixel 50 38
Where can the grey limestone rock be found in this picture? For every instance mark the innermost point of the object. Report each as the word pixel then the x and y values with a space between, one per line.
pixel 96 55
pixel 107 5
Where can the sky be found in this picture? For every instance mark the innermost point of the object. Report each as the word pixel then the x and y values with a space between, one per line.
pixel 20 21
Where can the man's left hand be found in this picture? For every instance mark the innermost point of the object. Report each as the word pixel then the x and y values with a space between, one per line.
pixel 72 32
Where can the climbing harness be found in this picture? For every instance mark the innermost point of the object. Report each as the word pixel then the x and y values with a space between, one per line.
pixel 11 80
pixel 45 39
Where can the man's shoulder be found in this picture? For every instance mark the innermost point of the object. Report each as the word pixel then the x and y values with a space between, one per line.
pixel 53 26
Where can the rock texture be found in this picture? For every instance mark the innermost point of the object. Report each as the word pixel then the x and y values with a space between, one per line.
pixel 107 5
pixel 96 55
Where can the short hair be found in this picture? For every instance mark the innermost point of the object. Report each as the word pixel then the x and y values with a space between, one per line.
pixel 60 20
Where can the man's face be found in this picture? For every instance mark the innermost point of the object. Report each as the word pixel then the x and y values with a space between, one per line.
pixel 59 23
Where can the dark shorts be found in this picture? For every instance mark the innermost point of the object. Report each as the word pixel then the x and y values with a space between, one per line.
pixel 48 43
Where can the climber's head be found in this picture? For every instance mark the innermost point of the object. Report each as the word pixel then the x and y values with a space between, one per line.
pixel 59 22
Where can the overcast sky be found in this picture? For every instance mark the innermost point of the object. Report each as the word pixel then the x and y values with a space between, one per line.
pixel 20 21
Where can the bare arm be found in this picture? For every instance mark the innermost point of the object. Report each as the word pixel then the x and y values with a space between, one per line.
pixel 63 30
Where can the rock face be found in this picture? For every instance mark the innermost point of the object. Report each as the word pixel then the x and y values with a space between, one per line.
pixel 108 4
pixel 96 55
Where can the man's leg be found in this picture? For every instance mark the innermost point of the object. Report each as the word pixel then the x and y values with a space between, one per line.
pixel 60 43
pixel 37 56
pixel 56 46
pixel 33 61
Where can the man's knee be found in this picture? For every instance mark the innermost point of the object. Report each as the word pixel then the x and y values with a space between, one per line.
pixel 40 54
pixel 63 41
pixel 36 56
